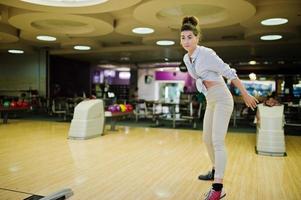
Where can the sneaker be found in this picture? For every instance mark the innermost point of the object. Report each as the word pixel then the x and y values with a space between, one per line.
pixel 215 195
pixel 207 177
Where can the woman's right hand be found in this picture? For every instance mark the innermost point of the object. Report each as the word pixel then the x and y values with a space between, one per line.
pixel 250 101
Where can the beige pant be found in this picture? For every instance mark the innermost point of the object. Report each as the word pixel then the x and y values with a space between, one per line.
pixel 216 120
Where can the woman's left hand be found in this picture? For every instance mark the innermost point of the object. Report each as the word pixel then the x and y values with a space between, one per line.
pixel 250 101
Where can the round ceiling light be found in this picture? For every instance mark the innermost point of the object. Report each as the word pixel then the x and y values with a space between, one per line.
pixel 165 42
pixel 15 51
pixel 252 62
pixel 82 47
pixel 46 38
pixel 271 37
pixel 66 3
pixel 274 21
pixel 143 30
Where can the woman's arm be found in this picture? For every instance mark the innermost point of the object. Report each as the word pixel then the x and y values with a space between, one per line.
pixel 218 65
pixel 249 100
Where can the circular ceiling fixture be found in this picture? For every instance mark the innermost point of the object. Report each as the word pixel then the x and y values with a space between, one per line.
pixel 73 6
pixel 165 42
pixel 271 37
pixel 274 21
pixel 143 30
pixel 82 47
pixel 61 24
pixel 15 51
pixel 46 38
pixel 213 13
pixel 66 3
pixel 252 62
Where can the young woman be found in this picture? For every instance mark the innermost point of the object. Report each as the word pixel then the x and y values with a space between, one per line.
pixel 207 68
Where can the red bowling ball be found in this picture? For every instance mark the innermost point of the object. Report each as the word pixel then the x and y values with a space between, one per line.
pixel 25 104
pixel 19 103
pixel 13 104
pixel 129 107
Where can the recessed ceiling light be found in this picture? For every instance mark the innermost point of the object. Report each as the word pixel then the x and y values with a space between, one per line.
pixel 271 37
pixel 15 51
pixel 166 59
pixel 66 3
pixel 281 62
pixel 143 30
pixel 274 21
pixel 252 62
pixel 46 38
pixel 267 62
pixel 165 42
pixel 125 58
pixel 82 47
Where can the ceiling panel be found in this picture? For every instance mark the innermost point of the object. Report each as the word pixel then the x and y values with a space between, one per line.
pixel 231 27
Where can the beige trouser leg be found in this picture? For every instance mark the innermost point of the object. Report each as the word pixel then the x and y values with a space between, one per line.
pixel 217 115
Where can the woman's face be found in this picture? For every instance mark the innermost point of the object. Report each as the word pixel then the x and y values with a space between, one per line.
pixel 189 41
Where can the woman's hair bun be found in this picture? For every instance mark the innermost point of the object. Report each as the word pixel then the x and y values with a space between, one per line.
pixel 190 20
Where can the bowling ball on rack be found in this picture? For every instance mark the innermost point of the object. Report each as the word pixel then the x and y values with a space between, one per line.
pixel 111 108
pixel 25 104
pixel 122 107
pixel 129 107
pixel 6 104
pixel 19 103
pixel 117 107
pixel 13 104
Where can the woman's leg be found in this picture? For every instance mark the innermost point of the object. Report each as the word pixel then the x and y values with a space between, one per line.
pixel 207 138
pixel 220 122
pixel 207 131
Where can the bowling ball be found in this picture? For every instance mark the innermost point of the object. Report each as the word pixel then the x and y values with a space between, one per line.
pixel 117 107
pixel 129 107
pixel 25 104
pixel 13 104
pixel 6 104
pixel 122 107
pixel 19 103
pixel 111 108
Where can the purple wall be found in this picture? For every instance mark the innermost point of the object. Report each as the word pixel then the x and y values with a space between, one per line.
pixel 98 77
pixel 168 76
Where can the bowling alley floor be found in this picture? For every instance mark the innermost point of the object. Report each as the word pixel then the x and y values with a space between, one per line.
pixel 138 163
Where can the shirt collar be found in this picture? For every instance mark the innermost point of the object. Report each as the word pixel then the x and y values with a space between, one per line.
pixel 195 53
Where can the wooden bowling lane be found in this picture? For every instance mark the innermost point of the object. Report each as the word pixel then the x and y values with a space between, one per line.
pixel 138 163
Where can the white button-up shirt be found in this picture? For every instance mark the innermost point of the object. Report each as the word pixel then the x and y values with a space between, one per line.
pixel 204 64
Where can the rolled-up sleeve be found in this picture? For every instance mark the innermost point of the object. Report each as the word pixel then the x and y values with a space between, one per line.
pixel 216 64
